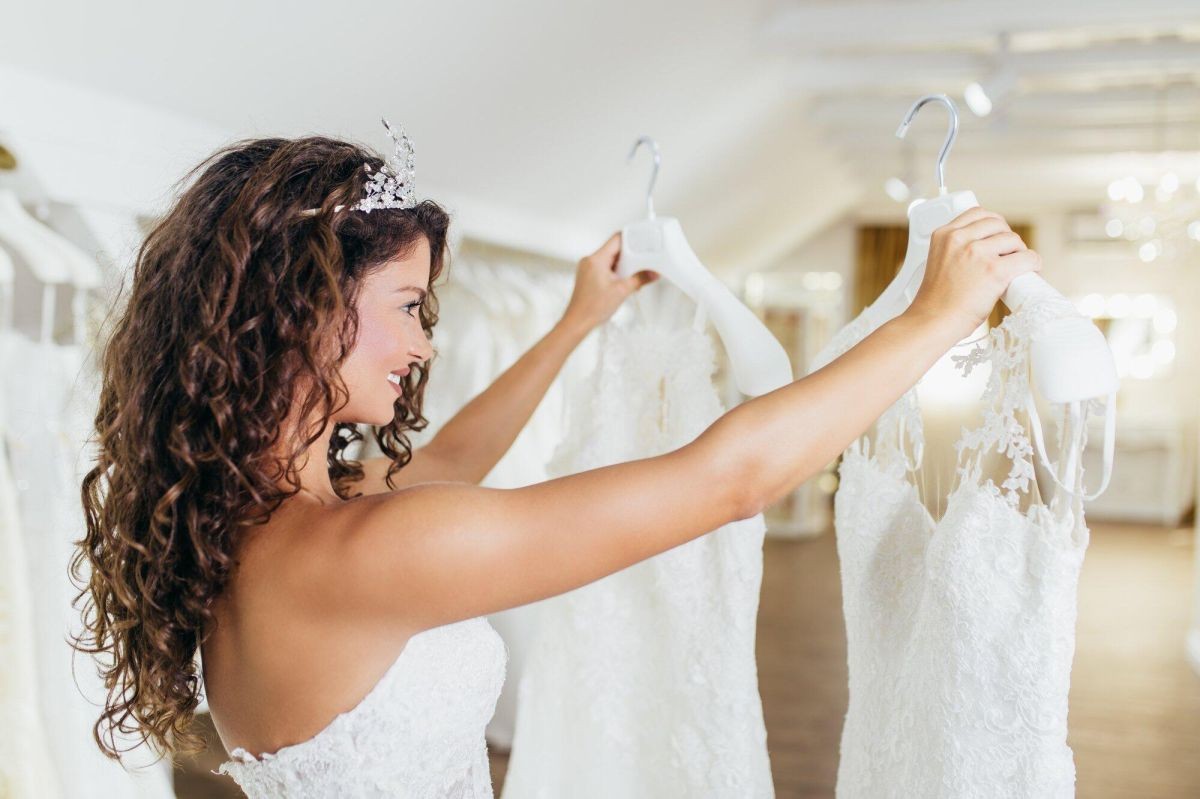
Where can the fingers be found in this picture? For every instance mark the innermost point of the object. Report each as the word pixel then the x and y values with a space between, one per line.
pixel 998 244
pixel 610 249
pixel 971 215
pixel 980 229
pixel 639 279
pixel 1019 263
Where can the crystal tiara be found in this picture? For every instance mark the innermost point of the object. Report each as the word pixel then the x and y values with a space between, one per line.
pixel 394 185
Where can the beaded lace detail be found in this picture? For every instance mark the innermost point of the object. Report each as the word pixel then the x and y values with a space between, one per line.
pixel 644 683
pixel 960 630
pixel 418 733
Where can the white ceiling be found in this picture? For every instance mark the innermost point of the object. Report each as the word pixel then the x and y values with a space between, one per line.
pixel 774 119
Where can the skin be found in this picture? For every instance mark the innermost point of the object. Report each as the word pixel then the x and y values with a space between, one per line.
pixel 328 592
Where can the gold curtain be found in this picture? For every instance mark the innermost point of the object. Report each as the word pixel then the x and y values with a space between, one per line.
pixel 880 252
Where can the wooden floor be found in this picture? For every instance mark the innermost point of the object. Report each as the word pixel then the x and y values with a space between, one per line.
pixel 1135 704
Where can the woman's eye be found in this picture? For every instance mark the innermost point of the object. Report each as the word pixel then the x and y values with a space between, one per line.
pixel 408 309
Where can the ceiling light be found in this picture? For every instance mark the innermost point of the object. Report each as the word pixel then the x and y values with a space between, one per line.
pixel 896 188
pixel 977 99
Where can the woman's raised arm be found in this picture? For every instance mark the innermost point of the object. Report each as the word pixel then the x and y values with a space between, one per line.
pixel 471 443
pixel 436 553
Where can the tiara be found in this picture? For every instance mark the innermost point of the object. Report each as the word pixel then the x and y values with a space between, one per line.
pixel 394 185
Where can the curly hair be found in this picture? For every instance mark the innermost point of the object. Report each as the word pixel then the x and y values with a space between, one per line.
pixel 240 312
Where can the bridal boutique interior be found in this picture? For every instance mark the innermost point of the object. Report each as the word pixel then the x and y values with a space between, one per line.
pixel 775 125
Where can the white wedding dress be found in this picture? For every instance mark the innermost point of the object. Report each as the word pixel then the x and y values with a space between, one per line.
pixel 26 768
pixel 49 394
pixel 644 683
pixel 960 630
pixel 418 733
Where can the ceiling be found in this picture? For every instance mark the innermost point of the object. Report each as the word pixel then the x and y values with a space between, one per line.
pixel 774 118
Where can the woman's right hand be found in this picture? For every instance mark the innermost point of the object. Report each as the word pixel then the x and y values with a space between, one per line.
pixel 972 259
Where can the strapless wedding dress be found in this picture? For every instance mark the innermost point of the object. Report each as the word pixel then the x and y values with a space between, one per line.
pixel 417 733
pixel 961 629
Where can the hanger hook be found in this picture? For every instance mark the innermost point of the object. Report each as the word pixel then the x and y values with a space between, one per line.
pixel 653 145
pixel 951 132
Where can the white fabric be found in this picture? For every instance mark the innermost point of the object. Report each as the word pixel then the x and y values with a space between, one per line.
pixel 644 684
pixel 26 768
pixel 960 631
pixel 417 734
pixel 49 397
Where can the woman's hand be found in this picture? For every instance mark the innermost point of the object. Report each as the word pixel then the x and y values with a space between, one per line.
pixel 598 290
pixel 972 259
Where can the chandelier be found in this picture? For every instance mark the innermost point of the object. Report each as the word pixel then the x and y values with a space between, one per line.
pixel 1160 216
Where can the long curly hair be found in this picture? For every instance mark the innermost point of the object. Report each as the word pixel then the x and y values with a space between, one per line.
pixel 240 312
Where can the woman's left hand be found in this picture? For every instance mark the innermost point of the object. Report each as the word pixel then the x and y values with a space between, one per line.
pixel 599 291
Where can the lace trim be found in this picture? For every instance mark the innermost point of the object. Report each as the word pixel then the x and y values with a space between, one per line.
pixel 1006 351
pixel 894 446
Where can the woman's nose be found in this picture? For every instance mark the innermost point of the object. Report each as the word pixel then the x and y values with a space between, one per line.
pixel 424 349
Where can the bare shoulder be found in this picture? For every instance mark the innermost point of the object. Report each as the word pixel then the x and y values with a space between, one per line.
pixel 281 631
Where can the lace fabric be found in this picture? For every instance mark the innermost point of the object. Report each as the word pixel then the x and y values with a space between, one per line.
pixel 960 630
pixel 417 733
pixel 644 683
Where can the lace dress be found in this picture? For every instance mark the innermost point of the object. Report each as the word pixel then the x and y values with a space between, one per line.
pixel 644 683
pixel 960 630
pixel 417 733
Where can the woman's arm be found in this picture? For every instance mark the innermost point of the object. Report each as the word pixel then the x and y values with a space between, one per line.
pixel 438 553
pixel 470 444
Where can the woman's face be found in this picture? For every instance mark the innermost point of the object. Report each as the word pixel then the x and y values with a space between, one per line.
pixel 390 337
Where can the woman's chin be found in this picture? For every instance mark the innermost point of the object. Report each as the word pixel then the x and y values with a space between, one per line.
pixel 385 417
pixel 376 418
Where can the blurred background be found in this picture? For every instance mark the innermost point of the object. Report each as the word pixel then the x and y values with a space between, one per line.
pixel 1080 122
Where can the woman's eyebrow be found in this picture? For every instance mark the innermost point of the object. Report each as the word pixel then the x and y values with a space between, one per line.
pixel 417 289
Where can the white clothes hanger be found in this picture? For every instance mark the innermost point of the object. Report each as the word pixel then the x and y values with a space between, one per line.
pixel 81 271
pixel 7 279
pixel 1070 358
pixel 85 275
pixel 656 243
pixel 18 232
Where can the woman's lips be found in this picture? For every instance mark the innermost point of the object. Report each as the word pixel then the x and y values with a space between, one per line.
pixel 396 377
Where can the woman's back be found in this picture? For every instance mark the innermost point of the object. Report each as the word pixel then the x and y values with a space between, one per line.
pixel 339 708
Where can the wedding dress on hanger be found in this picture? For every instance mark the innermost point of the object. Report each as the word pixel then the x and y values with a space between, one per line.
pixel 26 768
pixel 49 418
pixel 644 683
pixel 960 630
pixel 49 413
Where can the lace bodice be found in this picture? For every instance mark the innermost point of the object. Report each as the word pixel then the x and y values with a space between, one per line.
pixel 644 684
pixel 960 630
pixel 417 733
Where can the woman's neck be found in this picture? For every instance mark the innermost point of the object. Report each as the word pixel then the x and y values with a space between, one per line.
pixel 313 469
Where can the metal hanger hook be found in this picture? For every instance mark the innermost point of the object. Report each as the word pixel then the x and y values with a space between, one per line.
pixel 653 145
pixel 951 132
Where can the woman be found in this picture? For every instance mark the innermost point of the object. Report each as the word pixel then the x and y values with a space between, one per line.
pixel 338 605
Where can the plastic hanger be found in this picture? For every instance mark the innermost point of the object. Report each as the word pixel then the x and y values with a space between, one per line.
pixel 7 278
pixel 758 360
pixel 1071 358
pixel 84 271
pixel 18 232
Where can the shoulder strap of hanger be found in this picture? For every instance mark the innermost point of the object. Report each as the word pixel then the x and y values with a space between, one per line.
pixel 1110 431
